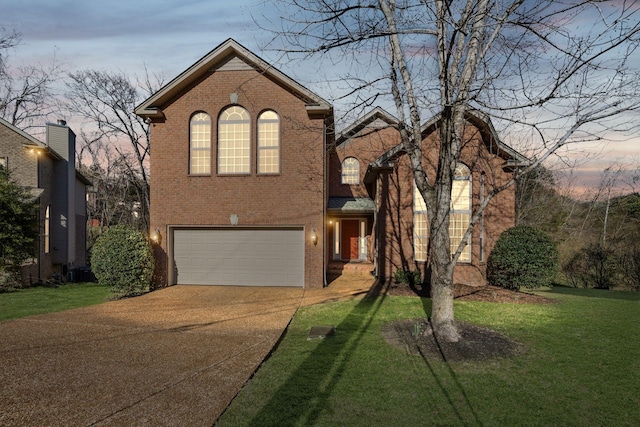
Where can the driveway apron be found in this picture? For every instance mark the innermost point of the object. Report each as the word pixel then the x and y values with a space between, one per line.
pixel 176 356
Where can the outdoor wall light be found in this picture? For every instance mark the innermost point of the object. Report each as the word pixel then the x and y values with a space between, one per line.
pixel 156 237
pixel 233 218
pixel 314 237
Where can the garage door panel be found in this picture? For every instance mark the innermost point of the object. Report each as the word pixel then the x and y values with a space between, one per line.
pixel 247 257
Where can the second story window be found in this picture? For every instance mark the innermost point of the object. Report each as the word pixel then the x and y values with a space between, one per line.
pixel 234 148
pixel 200 144
pixel 268 143
pixel 351 171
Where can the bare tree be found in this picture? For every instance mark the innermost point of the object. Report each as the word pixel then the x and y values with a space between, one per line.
pixel 523 63
pixel 27 95
pixel 107 100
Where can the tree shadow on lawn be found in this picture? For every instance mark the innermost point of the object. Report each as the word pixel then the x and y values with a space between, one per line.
pixel 307 391
pixel 595 293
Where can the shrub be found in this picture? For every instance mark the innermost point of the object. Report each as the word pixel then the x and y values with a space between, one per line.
pixel 408 277
pixel 122 259
pixel 596 266
pixel 522 257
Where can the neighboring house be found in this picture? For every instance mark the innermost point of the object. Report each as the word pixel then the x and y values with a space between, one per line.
pixel 49 171
pixel 249 187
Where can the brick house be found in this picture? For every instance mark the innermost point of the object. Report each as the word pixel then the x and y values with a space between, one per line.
pixel 48 170
pixel 249 187
pixel 376 215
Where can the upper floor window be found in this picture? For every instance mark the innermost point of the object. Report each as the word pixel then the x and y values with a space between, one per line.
pixel 460 215
pixel 351 171
pixel 268 143
pixel 200 144
pixel 234 147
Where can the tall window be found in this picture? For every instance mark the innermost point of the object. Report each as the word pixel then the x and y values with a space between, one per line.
pixel 268 143
pixel 47 218
pixel 420 226
pixel 460 210
pixel 351 171
pixel 234 147
pixel 200 144
pixel 459 217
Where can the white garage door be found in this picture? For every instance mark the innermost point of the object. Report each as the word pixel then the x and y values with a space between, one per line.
pixel 245 257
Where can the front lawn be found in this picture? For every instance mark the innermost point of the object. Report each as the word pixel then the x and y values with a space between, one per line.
pixel 40 300
pixel 582 367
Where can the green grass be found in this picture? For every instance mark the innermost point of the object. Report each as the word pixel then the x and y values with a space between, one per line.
pixel 582 368
pixel 40 300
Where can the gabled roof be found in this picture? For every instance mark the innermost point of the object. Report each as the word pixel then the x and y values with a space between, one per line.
pixel 30 139
pixel 378 117
pixel 478 119
pixel 226 51
pixel 483 122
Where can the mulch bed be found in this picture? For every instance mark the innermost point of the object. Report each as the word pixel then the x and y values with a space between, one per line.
pixel 475 293
pixel 476 344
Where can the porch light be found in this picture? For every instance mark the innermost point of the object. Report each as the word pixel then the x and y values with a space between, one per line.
pixel 233 218
pixel 314 237
pixel 156 237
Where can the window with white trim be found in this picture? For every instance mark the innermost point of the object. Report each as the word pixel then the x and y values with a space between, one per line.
pixel 200 144
pixel 47 228
pixel 460 214
pixel 268 143
pixel 234 142
pixel 420 226
pixel 351 171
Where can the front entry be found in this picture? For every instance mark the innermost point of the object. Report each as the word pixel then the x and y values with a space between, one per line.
pixel 350 238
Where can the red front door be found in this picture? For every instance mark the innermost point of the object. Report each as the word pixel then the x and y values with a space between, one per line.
pixel 349 241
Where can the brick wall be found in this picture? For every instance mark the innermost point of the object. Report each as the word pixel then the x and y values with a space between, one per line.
pixel 293 197
pixel 395 189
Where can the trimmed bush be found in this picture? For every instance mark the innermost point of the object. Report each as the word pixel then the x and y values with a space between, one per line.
pixel 522 257
pixel 122 259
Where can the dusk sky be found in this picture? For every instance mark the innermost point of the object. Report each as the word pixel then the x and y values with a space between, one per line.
pixel 167 36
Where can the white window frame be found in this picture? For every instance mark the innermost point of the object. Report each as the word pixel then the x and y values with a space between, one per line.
pixel 350 171
pixel 460 213
pixel 420 226
pixel 234 141
pixel 200 144
pixel 268 155
pixel 459 216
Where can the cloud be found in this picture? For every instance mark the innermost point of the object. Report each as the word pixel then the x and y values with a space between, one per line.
pixel 44 20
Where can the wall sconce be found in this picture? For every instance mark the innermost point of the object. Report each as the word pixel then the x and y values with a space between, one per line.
pixel 233 218
pixel 156 237
pixel 314 237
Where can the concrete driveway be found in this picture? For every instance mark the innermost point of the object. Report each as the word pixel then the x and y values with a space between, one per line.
pixel 177 356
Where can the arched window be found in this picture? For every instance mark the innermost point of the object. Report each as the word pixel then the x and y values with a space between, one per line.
pixel 234 148
pixel 200 144
pixel 351 171
pixel 268 143
pixel 460 215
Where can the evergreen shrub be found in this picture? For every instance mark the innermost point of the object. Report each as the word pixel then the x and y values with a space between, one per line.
pixel 122 258
pixel 522 257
